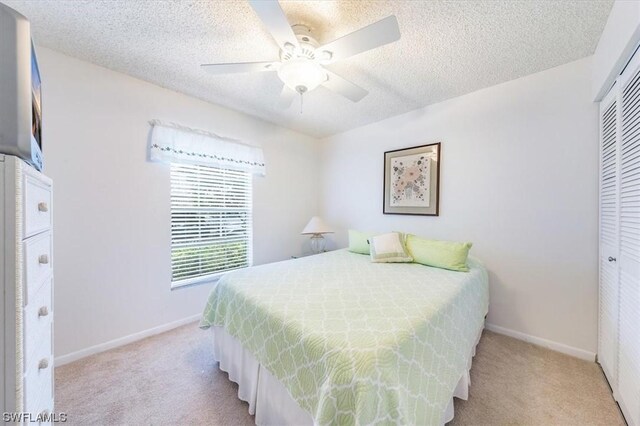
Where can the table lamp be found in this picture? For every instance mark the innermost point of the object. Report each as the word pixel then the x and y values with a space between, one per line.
pixel 316 227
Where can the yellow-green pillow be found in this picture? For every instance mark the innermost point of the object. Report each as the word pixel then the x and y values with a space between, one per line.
pixel 358 241
pixel 441 254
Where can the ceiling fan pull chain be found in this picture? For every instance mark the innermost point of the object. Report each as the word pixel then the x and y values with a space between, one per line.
pixel 301 93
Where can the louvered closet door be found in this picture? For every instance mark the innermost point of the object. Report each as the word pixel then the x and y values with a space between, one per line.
pixel 608 316
pixel 629 259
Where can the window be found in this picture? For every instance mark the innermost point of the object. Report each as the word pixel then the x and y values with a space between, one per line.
pixel 210 222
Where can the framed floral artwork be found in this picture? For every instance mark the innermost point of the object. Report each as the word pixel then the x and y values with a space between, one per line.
pixel 412 181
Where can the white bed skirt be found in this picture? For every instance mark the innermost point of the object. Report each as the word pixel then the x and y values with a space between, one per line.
pixel 269 400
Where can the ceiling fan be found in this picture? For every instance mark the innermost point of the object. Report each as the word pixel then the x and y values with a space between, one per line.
pixel 302 58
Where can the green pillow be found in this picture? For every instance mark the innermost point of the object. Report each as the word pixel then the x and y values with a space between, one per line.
pixel 358 241
pixel 389 248
pixel 441 254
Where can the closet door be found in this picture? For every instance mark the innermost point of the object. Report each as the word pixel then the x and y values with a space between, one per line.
pixel 629 258
pixel 609 195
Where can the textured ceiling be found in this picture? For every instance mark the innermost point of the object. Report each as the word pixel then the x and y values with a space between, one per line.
pixel 448 48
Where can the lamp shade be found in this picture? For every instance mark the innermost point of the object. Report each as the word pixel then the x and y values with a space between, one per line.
pixel 316 226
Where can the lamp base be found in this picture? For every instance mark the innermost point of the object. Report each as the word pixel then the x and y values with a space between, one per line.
pixel 317 243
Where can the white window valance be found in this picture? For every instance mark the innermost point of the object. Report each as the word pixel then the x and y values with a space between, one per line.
pixel 172 143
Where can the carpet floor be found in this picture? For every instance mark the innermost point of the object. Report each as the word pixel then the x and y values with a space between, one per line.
pixel 172 378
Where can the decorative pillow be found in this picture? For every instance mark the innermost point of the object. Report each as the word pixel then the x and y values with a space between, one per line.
pixel 388 248
pixel 441 254
pixel 358 241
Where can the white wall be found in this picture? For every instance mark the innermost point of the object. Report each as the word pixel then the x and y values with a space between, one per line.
pixel 111 214
pixel 519 179
pixel 616 45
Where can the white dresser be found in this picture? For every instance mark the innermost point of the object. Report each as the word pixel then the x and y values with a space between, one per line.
pixel 26 272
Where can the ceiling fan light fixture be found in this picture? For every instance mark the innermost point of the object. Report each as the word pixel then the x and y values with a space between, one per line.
pixel 302 75
pixel 302 58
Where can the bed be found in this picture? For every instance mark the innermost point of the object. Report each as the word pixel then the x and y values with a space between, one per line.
pixel 336 339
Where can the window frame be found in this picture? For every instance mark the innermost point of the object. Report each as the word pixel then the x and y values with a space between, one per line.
pixel 247 226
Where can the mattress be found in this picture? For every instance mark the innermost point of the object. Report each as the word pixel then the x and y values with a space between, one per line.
pixel 355 342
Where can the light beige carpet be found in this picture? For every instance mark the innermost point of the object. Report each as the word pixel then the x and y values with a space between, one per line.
pixel 172 379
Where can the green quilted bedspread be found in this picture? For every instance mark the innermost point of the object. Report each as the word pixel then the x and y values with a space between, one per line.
pixel 356 342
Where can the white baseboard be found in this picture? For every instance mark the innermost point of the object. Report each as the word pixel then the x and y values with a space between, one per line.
pixel 92 350
pixel 549 344
pixel 73 356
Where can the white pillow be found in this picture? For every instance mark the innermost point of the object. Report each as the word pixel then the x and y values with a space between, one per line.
pixel 388 248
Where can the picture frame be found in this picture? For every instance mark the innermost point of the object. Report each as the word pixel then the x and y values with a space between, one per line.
pixel 412 181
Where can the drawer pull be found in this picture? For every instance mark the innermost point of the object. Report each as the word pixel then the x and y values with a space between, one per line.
pixel 43 311
pixel 43 259
pixel 43 207
pixel 44 363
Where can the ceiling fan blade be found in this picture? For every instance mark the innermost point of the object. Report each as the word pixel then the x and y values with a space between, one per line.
pixel 273 17
pixel 375 35
pixel 240 67
pixel 344 87
pixel 286 97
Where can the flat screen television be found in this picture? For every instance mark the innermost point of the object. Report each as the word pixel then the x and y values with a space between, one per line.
pixel 20 90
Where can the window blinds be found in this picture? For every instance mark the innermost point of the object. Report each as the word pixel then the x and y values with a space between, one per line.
pixel 210 221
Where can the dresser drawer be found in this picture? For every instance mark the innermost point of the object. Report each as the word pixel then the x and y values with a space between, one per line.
pixel 38 380
pixel 44 411
pixel 37 206
pixel 39 401
pixel 37 263
pixel 37 324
